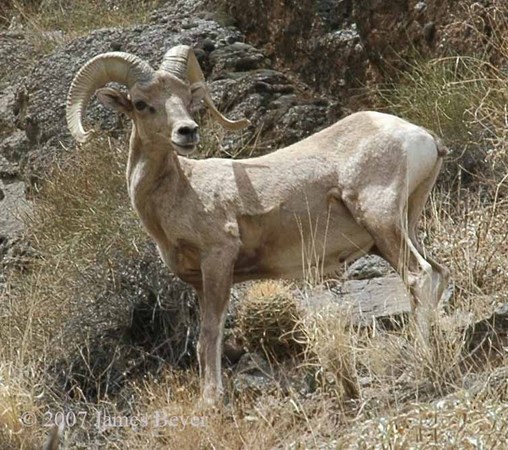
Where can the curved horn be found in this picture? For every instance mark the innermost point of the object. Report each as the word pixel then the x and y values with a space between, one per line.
pixel 120 67
pixel 182 62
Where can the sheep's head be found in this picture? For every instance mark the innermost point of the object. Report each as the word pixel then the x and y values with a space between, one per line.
pixel 158 102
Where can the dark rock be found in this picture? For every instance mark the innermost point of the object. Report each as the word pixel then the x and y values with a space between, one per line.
pixel 232 350
pixel 490 335
pixel 207 45
pixel 237 57
pixel 385 299
pixel 429 32
pixel 116 46
pixel 336 46
pixel 15 147
pixel 369 266
pixel 253 375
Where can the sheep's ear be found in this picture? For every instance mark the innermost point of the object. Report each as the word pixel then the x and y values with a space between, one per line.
pixel 198 91
pixel 115 100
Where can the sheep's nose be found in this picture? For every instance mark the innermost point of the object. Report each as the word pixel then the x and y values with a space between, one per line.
pixel 188 131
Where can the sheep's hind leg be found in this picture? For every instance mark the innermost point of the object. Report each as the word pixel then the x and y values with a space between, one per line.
pixel 386 222
pixel 416 203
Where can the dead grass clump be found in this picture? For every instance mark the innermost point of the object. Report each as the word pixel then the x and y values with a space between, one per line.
pixel 83 211
pixel 75 17
pixel 469 236
pixel 463 99
pixel 49 23
pixel 453 422
pixel 19 412
pixel 82 218
pixel 270 321
pixel 273 421
pixel 332 352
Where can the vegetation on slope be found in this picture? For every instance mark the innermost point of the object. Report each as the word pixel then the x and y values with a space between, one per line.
pixel 450 396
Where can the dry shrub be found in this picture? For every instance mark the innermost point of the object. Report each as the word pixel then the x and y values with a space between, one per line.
pixel 470 236
pixel 270 321
pixel 462 99
pixel 76 17
pixel 453 422
pixel 273 421
pixel 331 352
pixel 82 218
pixel 18 400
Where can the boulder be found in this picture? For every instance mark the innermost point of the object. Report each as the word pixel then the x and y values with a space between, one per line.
pixel 383 299
pixel 13 208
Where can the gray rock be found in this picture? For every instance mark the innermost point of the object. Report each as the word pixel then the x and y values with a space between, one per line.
pixel 376 298
pixel 8 169
pixel 252 375
pixel 15 147
pixel 13 208
pixel 420 7
pixel 369 266
pixel 7 95
pixel 20 51
pixel 237 57
pixel 363 300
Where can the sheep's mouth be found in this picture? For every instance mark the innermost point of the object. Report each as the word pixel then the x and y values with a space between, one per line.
pixel 183 149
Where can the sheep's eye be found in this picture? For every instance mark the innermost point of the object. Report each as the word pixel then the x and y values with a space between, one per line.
pixel 140 105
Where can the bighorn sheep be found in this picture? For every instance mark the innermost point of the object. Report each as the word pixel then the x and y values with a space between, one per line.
pixel 358 185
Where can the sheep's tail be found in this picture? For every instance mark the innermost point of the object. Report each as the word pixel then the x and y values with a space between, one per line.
pixel 442 150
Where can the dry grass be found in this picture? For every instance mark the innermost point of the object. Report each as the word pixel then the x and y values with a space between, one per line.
pixel 331 384
pixel 463 99
pixel 50 22
pixel 82 218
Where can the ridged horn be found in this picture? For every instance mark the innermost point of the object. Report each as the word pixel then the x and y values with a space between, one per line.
pixel 119 67
pixel 182 62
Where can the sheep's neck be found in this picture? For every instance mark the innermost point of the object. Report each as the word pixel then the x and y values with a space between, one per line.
pixel 150 166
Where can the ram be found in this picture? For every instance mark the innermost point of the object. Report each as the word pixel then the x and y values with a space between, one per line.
pixel 357 186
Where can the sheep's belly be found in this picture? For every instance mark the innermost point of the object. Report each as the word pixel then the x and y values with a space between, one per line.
pixel 293 252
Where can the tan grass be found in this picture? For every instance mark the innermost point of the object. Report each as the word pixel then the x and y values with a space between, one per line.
pixel 19 412
pixel 82 217
pixel 50 22
pixel 407 396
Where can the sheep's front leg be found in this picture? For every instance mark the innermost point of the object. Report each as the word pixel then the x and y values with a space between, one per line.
pixel 217 270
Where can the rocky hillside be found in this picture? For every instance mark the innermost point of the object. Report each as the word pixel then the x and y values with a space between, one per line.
pixel 291 70
pixel 338 47
pixel 89 316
